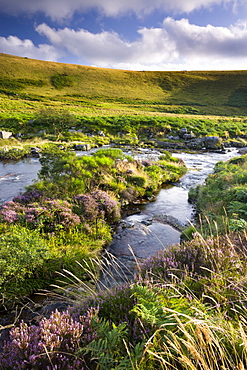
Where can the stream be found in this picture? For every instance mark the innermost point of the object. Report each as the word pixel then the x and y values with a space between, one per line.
pixel 158 224
pixel 151 227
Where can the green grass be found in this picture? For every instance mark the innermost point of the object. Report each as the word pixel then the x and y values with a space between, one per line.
pixel 28 85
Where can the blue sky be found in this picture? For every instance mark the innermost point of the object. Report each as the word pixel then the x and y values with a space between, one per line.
pixel 128 34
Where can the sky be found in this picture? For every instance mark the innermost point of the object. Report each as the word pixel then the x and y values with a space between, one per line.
pixel 157 35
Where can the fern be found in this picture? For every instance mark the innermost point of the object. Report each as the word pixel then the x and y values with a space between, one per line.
pixel 108 349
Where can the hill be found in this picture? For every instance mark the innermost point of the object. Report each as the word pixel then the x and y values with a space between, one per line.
pixel 27 85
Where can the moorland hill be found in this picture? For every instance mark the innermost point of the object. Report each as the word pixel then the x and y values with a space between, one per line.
pixel 28 84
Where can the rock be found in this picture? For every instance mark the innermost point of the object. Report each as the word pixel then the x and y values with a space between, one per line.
pixel 243 150
pixel 83 147
pixel 5 134
pixel 18 136
pixel 167 144
pixel 170 220
pixel 147 222
pixel 189 136
pixel 237 144
pixel 182 132
pixel 35 152
pixel 127 224
pixel 212 142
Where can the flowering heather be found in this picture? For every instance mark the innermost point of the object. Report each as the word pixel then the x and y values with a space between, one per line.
pixel 50 345
pixel 28 197
pixel 87 207
pixel 97 205
pixel 198 256
pixel 107 205
pixel 9 215
pixel 12 212
pixel 49 215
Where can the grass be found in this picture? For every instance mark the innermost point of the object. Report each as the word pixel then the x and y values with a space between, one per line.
pixel 28 85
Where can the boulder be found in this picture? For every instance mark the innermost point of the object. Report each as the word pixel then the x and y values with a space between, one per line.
pixel 212 142
pixel 167 144
pixel 5 134
pixel 237 144
pixel 182 132
pixel 35 152
pixel 189 136
pixel 243 150
pixel 83 147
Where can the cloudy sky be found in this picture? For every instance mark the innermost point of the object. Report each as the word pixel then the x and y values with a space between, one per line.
pixel 128 34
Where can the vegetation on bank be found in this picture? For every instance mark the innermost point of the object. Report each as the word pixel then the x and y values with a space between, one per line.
pixel 186 310
pixel 69 130
pixel 223 198
pixel 70 211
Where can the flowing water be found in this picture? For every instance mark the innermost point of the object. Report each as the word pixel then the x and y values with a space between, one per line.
pixel 14 176
pixel 172 201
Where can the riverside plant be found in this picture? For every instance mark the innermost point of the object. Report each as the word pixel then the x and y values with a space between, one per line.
pixel 51 215
pixel 47 216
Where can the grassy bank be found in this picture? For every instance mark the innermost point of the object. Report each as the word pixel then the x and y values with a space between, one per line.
pixel 223 198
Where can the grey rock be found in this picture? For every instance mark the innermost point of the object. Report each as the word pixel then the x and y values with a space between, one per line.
pixel 243 150
pixel 5 134
pixel 35 152
pixel 212 142
pixel 83 147
pixel 189 136
pixel 182 132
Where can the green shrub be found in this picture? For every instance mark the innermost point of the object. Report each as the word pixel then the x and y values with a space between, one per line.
pixel 22 252
pixel 137 180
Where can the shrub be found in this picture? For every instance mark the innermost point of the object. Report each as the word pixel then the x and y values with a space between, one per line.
pixel 22 252
pixel 87 207
pixel 48 215
pixel 139 181
pixel 107 205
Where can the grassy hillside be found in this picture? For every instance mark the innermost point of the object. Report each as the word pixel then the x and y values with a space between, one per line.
pixel 28 85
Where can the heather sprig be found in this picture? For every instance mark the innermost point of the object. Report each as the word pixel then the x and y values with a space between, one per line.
pixel 50 345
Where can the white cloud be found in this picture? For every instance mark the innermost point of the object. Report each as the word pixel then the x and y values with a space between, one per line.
pixel 192 40
pixel 177 45
pixel 13 45
pixel 62 9
pixel 107 48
